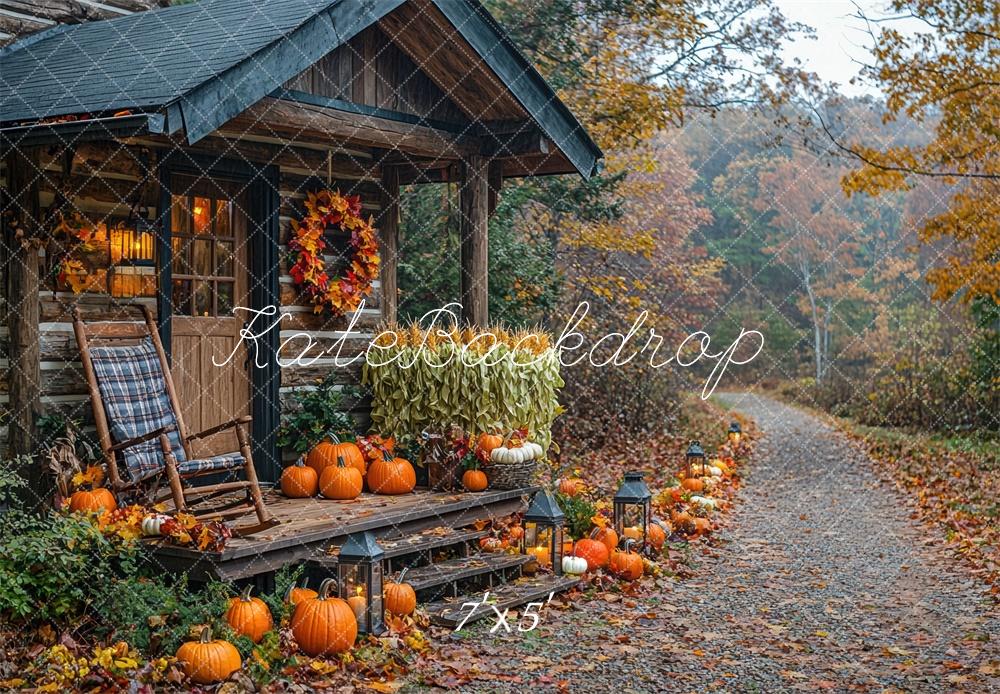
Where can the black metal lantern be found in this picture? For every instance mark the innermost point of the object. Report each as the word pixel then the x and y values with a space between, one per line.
pixel 359 575
pixel 695 460
pixel 632 508
pixel 543 534
pixel 735 433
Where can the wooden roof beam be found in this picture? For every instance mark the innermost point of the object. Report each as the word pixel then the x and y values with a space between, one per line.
pixel 299 121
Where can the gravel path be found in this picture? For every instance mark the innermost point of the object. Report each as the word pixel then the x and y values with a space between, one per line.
pixel 822 581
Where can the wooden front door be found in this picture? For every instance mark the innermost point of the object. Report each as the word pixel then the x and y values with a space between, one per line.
pixel 209 269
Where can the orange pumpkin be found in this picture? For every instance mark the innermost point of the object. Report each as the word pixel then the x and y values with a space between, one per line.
pixel 93 500
pixel 487 442
pixel 683 521
pixel 656 534
pixel 325 454
pixel 248 616
pixel 475 480
pixel 324 625
pixel 693 484
pixel 625 563
pixel 594 551
pixel 400 598
pixel 299 481
pixel 296 594
pixel 340 481
pixel 702 526
pixel 391 476
pixel 570 486
pixel 607 536
pixel 206 661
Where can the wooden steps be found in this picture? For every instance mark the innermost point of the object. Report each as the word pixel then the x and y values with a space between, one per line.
pixel 450 612
pixel 449 574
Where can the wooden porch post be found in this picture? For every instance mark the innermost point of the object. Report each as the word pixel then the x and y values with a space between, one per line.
pixel 389 232
pixel 474 233
pixel 24 285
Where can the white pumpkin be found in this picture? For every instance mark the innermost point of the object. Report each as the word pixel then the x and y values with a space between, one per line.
pixel 151 524
pixel 538 451
pixel 523 454
pixel 714 471
pixel 574 566
pixel 706 502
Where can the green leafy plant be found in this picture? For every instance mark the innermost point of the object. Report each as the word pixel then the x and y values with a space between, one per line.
pixel 12 483
pixel 313 414
pixel 579 514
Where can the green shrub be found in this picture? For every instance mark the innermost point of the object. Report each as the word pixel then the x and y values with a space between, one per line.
pixel 314 414
pixel 579 513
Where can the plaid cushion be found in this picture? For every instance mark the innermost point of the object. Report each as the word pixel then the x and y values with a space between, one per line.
pixel 135 398
pixel 227 461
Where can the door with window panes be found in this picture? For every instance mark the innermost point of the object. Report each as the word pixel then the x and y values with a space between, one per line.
pixel 209 267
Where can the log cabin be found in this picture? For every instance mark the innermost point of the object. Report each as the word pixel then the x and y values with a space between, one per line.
pixel 186 139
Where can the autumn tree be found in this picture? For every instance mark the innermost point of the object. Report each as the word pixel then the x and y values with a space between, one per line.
pixel 946 77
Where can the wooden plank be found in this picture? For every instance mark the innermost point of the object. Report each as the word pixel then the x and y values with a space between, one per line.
pixel 61 11
pixel 450 613
pixel 474 235
pixel 462 568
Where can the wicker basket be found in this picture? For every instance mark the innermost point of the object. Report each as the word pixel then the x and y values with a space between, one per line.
pixel 510 475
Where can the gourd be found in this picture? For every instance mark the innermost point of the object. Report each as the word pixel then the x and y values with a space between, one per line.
pixel 93 500
pixel 325 454
pixel 491 544
pixel 475 480
pixel 593 551
pixel 391 476
pixel 626 564
pixel 206 661
pixel 324 625
pixel 706 502
pixel 574 566
pixel 512 455
pixel 400 598
pixel 250 617
pixel 295 594
pixel 340 481
pixel 152 523
pixel 299 481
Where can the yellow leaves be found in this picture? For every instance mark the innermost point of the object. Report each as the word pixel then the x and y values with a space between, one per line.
pixel 92 477
pixel 73 273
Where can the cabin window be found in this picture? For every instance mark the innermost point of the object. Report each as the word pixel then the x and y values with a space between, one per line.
pixel 203 247
pixel 119 260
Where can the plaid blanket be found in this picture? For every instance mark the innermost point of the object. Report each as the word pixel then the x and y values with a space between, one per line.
pixel 135 398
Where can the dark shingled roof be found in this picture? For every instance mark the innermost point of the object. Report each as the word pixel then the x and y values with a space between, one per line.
pixel 206 62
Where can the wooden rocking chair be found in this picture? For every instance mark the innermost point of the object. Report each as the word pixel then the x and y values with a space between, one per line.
pixel 139 423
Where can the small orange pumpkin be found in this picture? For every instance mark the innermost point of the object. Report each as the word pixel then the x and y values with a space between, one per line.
pixel 625 563
pixel 297 594
pixel 400 598
pixel 683 521
pixel 249 616
pixel 324 625
pixel 702 526
pixel 594 551
pixel 693 484
pixel 656 534
pixel 325 454
pixel 391 476
pixel 475 480
pixel 93 500
pixel 299 481
pixel 607 536
pixel 206 661
pixel 340 481
pixel 487 442
pixel 570 486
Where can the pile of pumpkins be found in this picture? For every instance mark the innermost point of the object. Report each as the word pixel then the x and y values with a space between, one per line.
pixel 603 549
pixel 338 470
pixel 321 624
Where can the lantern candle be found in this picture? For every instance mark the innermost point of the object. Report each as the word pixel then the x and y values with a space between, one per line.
pixel 357 603
pixel 541 555
pixel 633 532
pixel 735 433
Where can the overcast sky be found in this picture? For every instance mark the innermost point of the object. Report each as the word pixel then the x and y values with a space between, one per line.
pixel 841 41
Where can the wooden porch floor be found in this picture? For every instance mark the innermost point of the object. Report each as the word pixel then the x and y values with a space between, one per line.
pixel 308 526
